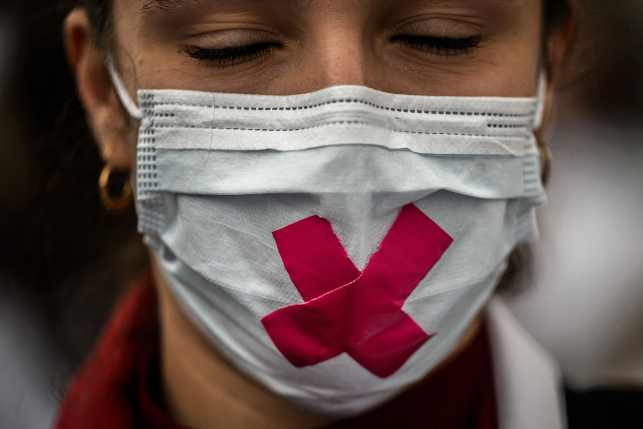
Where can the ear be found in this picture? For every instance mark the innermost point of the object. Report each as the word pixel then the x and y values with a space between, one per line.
pixel 110 126
pixel 558 46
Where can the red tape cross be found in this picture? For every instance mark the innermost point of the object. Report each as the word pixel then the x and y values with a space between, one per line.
pixel 346 310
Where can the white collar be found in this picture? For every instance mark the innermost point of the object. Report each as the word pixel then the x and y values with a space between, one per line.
pixel 528 380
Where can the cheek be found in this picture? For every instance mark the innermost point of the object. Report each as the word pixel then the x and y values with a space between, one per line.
pixel 132 139
pixel 514 71
pixel 522 51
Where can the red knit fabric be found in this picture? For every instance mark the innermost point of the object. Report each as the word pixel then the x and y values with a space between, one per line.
pixel 116 386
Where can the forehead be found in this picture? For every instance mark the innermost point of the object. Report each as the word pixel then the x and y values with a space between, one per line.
pixel 168 5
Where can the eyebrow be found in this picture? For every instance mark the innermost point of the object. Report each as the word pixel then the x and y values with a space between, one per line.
pixel 167 5
pixel 162 4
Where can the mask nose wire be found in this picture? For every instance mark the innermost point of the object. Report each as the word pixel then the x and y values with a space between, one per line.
pixel 121 91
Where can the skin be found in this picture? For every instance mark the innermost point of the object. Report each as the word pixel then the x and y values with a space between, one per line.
pixel 320 43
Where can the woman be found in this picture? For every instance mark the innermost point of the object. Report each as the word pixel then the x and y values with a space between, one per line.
pixel 330 191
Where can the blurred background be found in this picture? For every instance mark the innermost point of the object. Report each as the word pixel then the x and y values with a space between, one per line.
pixel 583 301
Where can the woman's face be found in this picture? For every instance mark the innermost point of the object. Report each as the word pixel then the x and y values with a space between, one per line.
pixel 427 47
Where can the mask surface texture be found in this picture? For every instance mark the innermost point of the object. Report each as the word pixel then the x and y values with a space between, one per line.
pixel 335 245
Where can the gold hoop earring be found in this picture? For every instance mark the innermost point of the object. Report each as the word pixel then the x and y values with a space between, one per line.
pixel 114 205
pixel 545 162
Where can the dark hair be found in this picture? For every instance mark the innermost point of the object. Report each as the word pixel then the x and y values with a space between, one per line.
pixel 71 255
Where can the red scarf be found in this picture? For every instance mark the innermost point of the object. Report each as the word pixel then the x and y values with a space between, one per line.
pixel 119 384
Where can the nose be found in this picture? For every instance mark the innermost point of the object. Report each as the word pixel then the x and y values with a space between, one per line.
pixel 336 56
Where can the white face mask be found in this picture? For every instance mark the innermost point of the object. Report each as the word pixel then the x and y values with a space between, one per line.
pixel 334 246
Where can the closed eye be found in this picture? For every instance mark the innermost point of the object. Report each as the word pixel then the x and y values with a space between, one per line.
pixel 440 45
pixel 228 57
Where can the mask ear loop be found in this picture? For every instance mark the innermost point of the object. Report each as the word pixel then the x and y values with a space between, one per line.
pixel 121 91
pixel 540 97
pixel 545 153
pixel 117 204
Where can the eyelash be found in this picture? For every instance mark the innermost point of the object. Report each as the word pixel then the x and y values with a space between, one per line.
pixel 441 45
pixel 229 56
